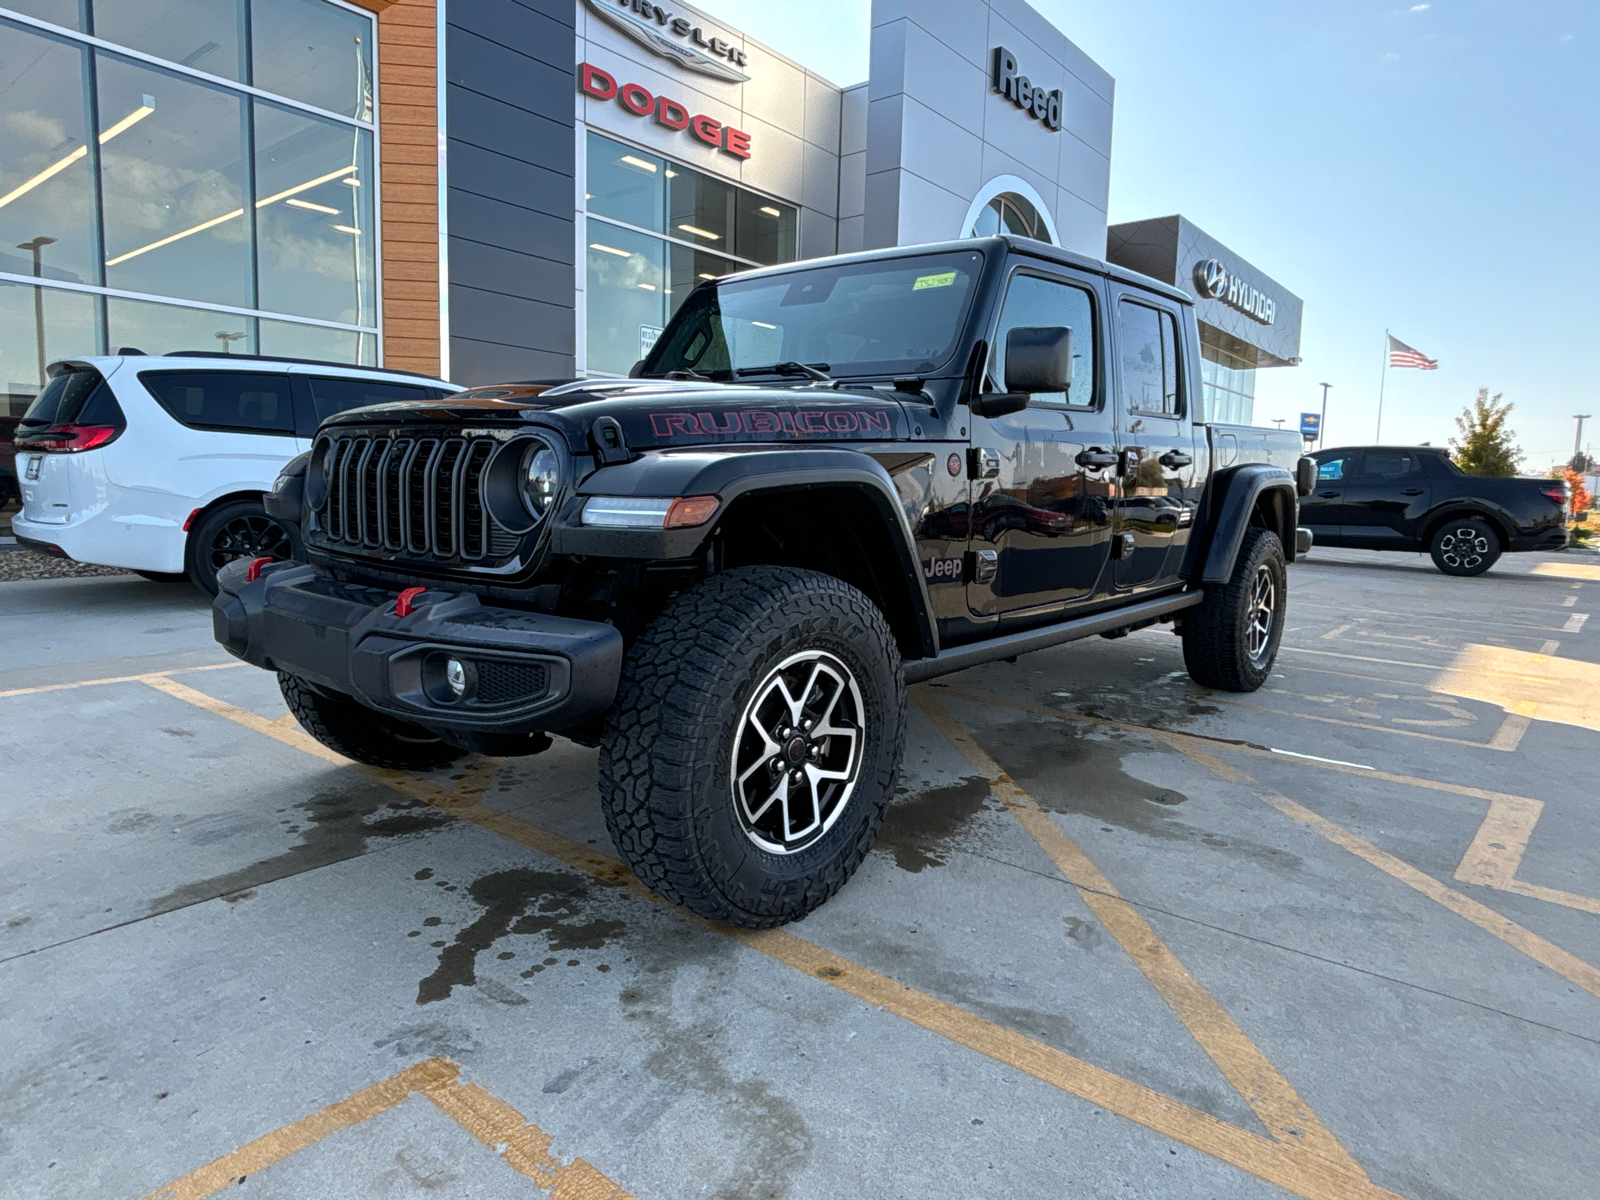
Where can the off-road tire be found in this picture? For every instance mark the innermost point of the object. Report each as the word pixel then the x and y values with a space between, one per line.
pixel 237 529
pixel 1465 546
pixel 366 736
pixel 1217 632
pixel 666 756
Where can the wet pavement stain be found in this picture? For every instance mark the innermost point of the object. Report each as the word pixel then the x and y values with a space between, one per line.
pixel 1080 772
pixel 333 827
pixel 518 901
pixel 920 828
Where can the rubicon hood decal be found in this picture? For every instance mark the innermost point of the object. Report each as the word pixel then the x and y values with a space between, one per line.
pixel 829 423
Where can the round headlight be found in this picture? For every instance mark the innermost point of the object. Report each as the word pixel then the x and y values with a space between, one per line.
pixel 540 478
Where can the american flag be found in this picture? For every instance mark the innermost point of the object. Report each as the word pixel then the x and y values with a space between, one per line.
pixel 1402 355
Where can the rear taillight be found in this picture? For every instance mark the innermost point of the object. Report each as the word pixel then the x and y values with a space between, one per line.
pixel 1558 493
pixel 69 439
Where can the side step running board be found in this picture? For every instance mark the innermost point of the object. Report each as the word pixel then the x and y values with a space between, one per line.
pixel 959 658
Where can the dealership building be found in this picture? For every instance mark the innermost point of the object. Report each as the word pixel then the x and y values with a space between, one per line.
pixel 515 189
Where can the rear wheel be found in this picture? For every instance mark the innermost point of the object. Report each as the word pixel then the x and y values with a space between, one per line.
pixel 752 751
pixel 366 736
pixel 1465 546
pixel 1230 639
pixel 237 529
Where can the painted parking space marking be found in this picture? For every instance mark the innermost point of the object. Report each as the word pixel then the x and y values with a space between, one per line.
pixel 524 1146
pixel 1273 1098
pixel 142 678
pixel 1575 623
pixel 1495 855
pixel 1567 570
pixel 1291 1166
pixel 1538 686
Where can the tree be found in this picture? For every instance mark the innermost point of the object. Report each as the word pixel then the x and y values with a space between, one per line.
pixel 1579 499
pixel 1486 446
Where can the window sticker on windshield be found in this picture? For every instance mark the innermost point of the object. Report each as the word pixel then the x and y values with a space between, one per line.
pixel 933 281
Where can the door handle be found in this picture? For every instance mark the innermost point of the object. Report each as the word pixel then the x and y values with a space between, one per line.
pixel 1130 460
pixel 1095 457
pixel 1411 492
pixel 983 463
pixel 1330 495
pixel 1173 459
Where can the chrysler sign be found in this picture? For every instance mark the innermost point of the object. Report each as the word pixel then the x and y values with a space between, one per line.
pixel 679 39
pixel 1215 282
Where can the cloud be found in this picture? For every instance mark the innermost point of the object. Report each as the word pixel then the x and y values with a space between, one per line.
pixel 1421 7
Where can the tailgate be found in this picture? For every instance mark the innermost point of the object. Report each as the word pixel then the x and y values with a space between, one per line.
pixel 46 483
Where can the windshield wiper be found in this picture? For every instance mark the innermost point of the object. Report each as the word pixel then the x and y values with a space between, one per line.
pixel 788 368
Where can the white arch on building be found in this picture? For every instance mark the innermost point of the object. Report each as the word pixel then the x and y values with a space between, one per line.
pixel 1000 185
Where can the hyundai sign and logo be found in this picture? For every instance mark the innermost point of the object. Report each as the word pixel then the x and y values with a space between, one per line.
pixel 1214 281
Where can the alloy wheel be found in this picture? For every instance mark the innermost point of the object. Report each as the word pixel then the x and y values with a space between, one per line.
pixel 250 536
pixel 1262 613
pixel 797 752
pixel 1463 548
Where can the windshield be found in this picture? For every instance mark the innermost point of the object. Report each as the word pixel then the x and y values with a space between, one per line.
pixel 892 316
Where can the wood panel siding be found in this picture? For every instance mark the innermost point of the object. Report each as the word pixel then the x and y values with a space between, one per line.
pixel 408 167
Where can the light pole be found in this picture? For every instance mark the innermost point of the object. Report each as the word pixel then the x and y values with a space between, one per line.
pixel 1577 442
pixel 37 245
pixel 1322 424
pixel 1279 420
pixel 226 338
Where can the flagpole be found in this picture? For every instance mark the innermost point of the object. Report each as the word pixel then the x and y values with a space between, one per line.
pixel 1382 380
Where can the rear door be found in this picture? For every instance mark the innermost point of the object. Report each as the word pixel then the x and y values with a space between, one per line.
pixel 1322 511
pixel 1155 442
pixel 1043 479
pixel 1385 500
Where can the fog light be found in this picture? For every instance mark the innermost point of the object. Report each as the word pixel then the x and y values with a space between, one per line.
pixel 455 674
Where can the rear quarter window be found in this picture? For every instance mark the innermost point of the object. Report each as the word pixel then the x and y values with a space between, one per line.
pixel 231 401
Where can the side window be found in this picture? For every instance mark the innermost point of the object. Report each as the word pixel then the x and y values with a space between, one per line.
pixel 1147 343
pixel 1332 468
pixel 1389 464
pixel 236 401
pixel 1032 301
pixel 330 396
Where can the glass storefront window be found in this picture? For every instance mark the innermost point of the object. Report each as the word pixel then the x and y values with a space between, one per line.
pixel 626 303
pixel 207 35
pixel 163 328
pixel 47 224
pixel 313 52
pixel 314 227
pixel 66 323
pixel 173 185
pixel 766 229
pixel 288 339
pixel 688 268
pixel 700 210
pixel 625 184
pixel 64 13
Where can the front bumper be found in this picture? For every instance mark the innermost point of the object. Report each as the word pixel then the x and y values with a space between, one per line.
pixel 524 672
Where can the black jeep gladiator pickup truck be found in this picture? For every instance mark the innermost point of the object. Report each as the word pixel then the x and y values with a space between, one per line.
pixel 1415 498
pixel 827 481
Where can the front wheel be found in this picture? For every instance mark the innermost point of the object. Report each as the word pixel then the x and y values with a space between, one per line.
pixel 754 745
pixel 1230 639
pixel 366 736
pixel 1465 546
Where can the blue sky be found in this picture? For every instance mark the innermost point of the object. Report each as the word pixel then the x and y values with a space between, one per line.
pixel 1432 169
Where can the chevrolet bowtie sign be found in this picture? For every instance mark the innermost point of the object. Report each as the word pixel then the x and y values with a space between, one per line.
pixel 679 39
pixel 1214 281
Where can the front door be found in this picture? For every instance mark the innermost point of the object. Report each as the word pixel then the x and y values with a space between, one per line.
pixel 1322 512
pixel 1385 500
pixel 1043 479
pixel 1155 444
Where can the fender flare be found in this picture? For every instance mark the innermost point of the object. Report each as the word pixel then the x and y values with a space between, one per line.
pixel 733 474
pixel 1238 491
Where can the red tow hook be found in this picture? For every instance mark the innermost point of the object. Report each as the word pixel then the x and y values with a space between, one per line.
pixel 402 605
pixel 253 571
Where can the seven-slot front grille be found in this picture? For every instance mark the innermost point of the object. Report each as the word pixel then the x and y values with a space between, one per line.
pixel 417 496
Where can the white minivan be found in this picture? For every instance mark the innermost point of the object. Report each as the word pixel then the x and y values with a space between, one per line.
pixel 159 464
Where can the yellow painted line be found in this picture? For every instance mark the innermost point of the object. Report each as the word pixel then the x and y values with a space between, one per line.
pixel 1569 602
pixel 1566 570
pixel 1288 1165
pixel 1509 735
pixel 1371 726
pixel 1495 854
pixel 1274 1099
pixel 1575 623
pixel 524 1146
pixel 281 1143
pixel 1561 690
pixel 144 678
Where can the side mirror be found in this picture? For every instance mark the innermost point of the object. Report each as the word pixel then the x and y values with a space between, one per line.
pixel 1039 359
pixel 1305 476
pixel 999 404
pixel 637 370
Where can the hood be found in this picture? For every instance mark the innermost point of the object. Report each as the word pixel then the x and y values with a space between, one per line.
pixel 661 413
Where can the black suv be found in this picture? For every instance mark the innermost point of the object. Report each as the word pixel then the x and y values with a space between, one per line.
pixel 827 481
pixel 1415 498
